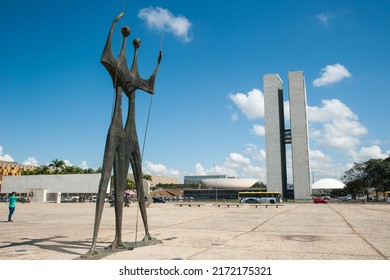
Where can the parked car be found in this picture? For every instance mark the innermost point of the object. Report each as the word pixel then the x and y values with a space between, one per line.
pixel 3 199
pixel 345 198
pixel 157 199
pixel 111 200
pixel 94 199
pixel 254 200
pixel 319 200
pixel 71 198
pixel 24 199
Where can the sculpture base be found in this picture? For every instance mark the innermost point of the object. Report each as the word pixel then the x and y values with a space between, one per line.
pixel 129 246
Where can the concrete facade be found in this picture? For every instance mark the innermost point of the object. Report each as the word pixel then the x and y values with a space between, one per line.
pixel 274 127
pixel 299 136
pixel 50 187
pixel 276 136
pixel 9 168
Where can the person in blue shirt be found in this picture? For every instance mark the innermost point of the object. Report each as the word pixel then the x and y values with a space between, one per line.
pixel 12 203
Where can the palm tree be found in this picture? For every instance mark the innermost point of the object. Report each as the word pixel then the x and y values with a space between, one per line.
pixel 57 165
pixel 42 170
pixel 147 177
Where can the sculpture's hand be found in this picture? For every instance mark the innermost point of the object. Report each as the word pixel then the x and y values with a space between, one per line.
pixel 159 57
pixel 119 16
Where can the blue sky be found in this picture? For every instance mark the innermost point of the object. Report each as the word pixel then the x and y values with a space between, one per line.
pixel 207 113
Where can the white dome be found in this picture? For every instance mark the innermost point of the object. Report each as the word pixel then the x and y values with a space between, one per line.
pixel 328 183
pixel 230 183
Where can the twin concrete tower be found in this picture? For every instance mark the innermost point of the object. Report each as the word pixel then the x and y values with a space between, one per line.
pixel 277 136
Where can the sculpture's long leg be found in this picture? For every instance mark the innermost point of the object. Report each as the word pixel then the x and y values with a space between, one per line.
pixel 137 171
pixel 109 154
pixel 120 175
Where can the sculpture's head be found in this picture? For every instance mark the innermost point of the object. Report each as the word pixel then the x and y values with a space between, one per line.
pixel 126 31
pixel 136 43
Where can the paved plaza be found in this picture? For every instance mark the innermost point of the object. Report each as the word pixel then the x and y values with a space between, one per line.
pixel 296 231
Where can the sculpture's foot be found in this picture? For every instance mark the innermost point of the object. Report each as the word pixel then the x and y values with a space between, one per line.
pixel 90 254
pixel 148 237
pixel 149 240
pixel 116 245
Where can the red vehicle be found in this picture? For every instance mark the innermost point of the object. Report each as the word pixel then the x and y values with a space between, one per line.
pixel 319 200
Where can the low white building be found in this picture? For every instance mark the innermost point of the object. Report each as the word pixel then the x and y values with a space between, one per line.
pixel 42 188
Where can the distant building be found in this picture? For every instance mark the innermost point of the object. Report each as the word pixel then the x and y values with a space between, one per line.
pixel 9 168
pixel 198 179
pixel 277 136
pixel 157 180
pixel 43 188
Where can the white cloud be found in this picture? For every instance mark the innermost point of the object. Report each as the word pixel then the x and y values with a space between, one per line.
pixel 160 169
pixel 366 153
pixel 237 165
pixel 258 130
pixel 255 152
pixel 340 127
pixel 199 169
pixel 236 158
pixel 234 117
pixel 5 157
pixel 332 74
pixel 163 20
pixel 83 165
pixel 251 171
pixel 31 161
pixel 324 17
pixel 322 166
pixel 332 109
pixel 251 104
pixel 286 108
pixel 317 154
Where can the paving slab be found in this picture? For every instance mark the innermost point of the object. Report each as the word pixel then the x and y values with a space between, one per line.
pixel 296 231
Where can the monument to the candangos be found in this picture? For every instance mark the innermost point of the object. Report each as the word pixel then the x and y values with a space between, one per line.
pixel 122 147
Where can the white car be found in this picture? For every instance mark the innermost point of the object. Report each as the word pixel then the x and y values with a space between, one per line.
pixel 72 198
pixel 94 199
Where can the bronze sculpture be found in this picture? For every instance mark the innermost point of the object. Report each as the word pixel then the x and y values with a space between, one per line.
pixel 122 147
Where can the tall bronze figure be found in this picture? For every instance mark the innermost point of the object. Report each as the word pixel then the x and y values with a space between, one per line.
pixel 122 147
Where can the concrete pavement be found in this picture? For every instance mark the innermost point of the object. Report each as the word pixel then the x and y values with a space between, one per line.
pixel 296 231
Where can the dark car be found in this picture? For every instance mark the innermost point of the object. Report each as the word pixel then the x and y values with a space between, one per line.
pixel 111 200
pixel 3 199
pixel 319 200
pixel 157 199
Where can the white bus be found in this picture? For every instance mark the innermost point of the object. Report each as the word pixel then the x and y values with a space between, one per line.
pixel 264 197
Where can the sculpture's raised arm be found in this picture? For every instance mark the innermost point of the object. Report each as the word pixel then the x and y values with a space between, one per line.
pixel 145 85
pixel 107 56
pixel 148 85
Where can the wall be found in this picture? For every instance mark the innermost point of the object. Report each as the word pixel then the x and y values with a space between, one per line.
pixel 46 184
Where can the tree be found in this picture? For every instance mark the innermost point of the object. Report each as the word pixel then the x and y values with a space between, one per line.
pixel 130 185
pixel 371 174
pixel 378 174
pixel 356 179
pixel 42 170
pixel 356 187
pixel 57 165
pixel 147 177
